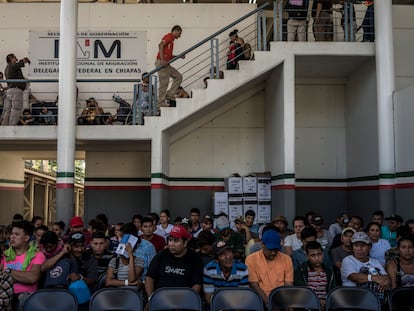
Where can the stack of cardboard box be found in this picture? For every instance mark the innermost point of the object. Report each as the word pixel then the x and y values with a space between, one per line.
pixel 252 192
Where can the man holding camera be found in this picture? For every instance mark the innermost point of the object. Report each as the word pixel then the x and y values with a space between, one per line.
pixel 13 103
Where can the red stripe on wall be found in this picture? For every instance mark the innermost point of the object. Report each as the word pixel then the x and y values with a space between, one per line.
pixel 283 187
pixel 64 186
pixel 404 186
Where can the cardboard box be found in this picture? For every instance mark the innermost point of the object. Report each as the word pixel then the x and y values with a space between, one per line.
pixel 235 209
pixel 264 189
pixel 250 184
pixel 221 203
pixel 233 185
pixel 264 212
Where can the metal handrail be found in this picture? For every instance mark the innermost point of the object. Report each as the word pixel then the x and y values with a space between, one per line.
pixel 209 38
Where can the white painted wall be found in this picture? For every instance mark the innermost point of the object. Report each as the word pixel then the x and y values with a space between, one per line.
pixel 198 22
pixel 404 129
pixel 403 45
pixel 230 143
pixel 361 122
pixel 118 164
pixel 320 130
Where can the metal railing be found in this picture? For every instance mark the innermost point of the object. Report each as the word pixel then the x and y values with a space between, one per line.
pixel 345 20
pixel 209 56
pixel 40 101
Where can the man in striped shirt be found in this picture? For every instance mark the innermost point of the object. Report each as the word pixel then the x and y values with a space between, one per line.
pixel 223 271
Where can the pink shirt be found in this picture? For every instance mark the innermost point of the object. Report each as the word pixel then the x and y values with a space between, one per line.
pixel 17 264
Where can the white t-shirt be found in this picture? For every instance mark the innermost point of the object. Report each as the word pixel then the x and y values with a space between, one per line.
pixel 378 250
pixel 352 265
pixel 293 241
pixel 164 232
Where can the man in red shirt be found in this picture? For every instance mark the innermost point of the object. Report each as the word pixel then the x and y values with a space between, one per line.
pixel 165 54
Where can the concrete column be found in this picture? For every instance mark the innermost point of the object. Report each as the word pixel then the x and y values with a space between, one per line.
pixel 159 172
pixel 385 88
pixel 67 110
pixel 280 136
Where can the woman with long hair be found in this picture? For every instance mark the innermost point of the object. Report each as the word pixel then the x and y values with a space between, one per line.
pixel 401 268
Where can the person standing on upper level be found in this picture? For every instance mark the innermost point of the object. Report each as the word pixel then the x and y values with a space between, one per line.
pixel 13 103
pixel 165 54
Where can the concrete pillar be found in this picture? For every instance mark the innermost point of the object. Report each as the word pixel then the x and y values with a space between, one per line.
pixel 280 136
pixel 385 88
pixel 67 110
pixel 159 172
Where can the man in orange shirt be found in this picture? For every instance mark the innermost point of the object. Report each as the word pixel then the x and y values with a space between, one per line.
pixel 269 268
pixel 165 54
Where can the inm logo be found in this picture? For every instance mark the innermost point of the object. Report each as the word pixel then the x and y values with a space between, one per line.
pixel 98 46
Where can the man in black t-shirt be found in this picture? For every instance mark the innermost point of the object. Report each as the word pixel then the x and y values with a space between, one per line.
pixel 176 265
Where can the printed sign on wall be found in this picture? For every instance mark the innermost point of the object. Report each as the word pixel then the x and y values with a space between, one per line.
pixel 103 54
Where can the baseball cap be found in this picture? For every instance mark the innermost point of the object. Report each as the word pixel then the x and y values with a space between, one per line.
pixel 395 217
pixel 348 229
pixel 282 219
pixel 271 239
pixel 318 220
pixel 76 221
pixel 361 237
pixel 180 232
pixel 76 237
pixel 222 223
pixel 207 218
pixel 219 247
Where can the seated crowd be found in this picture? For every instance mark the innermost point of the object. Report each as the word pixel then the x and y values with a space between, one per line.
pixel 205 254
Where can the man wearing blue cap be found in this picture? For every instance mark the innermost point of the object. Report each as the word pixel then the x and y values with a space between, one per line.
pixel 269 268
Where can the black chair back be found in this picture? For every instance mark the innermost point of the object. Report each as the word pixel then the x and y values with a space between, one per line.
pixel 113 298
pixel 401 299
pixel 236 299
pixel 293 297
pixel 356 298
pixel 168 298
pixel 51 299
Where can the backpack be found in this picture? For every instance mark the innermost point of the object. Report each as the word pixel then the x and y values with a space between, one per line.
pixel 56 277
pixel 6 290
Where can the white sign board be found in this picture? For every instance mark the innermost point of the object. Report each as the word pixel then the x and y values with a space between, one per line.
pixel 100 54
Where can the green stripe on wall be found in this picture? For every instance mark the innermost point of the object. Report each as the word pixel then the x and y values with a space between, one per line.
pixel 159 175
pixel 283 176
pixel 65 174
pixel 9 181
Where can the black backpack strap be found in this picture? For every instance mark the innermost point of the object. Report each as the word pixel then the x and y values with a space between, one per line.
pixel 398 272
pixel 116 267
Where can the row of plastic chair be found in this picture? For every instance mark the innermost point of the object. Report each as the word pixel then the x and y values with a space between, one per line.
pixel 128 299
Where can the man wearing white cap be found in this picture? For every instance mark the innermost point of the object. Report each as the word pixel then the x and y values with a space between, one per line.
pixel 269 268
pixel 359 269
